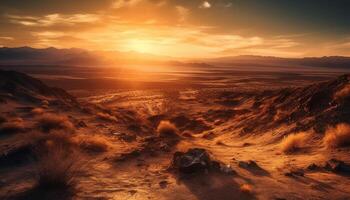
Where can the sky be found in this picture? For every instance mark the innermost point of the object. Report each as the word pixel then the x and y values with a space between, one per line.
pixel 181 28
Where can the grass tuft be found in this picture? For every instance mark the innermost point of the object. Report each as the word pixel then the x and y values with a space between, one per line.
pixel 167 129
pixel 294 142
pixel 338 136
pixel 48 122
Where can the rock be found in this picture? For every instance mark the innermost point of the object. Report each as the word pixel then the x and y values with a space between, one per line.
pixel 198 160
pixel 313 167
pixel 163 184
pixel 194 160
pixel 337 166
pixel 248 164
pixel 293 173
pixel 209 136
pixel 125 156
pixel 126 137
pixel 246 144
pixel 81 124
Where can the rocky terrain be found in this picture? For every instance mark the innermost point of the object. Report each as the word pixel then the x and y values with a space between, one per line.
pixel 200 143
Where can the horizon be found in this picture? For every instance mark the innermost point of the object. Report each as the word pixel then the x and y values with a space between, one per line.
pixel 172 57
pixel 184 29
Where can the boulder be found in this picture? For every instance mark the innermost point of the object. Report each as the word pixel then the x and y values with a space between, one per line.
pixel 198 160
pixel 337 166
pixel 250 164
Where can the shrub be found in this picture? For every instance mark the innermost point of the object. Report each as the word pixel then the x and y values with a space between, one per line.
pixel 106 117
pixel 58 162
pixel 294 142
pixel 338 136
pixel 12 126
pixel 167 129
pixel 38 111
pixel 94 143
pixel 48 122
pixel 2 119
pixel 246 188
pixel 344 92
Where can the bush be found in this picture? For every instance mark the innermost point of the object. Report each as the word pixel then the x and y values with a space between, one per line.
pixel 344 92
pixel 38 111
pixel 246 188
pixel 338 136
pixel 2 119
pixel 167 129
pixel 48 122
pixel 12 126
pixel 94 143
pixel 294 142
pixel 58 162
pixel 106 117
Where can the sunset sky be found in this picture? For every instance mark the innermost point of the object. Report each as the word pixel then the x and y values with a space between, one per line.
pixel 181 28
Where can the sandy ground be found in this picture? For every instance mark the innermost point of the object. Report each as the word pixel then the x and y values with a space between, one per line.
pixel 220 120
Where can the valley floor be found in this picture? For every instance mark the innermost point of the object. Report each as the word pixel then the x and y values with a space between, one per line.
pixel 233 126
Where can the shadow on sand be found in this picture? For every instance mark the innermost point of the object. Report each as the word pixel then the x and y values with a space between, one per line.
pixel 214 186
pixel 37 193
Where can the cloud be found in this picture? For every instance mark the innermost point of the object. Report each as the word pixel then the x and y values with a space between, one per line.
pixel 48 34
pixel 183 13
pixel 205 5
pixel 53 19
pixel 124 3
pixel 6 38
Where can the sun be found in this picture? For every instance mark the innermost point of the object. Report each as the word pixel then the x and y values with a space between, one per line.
pixel 140 45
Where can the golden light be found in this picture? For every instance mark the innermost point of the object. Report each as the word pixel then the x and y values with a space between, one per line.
pixel 140 45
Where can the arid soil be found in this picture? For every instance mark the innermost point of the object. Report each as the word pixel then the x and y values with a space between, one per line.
pixel 289 142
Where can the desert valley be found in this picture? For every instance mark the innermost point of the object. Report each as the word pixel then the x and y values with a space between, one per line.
pixel 174 100
pixel 280 135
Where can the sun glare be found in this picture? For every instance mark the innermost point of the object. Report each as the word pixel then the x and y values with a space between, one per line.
pixel 140 45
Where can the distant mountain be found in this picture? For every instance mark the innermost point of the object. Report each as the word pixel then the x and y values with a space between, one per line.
pixel 80 57
pixel 73 56
pixel 326 61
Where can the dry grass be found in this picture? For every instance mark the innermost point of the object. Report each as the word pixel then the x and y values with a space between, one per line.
pixel 246 188
pixel 48 122
pixel 338 136
pixel 106 117
pixel 2 119
pixel 167 129
pixel 12 126
pixel 344 92
pixel 93 143
pixel 294 142
pixel 37 111
pixel 58 162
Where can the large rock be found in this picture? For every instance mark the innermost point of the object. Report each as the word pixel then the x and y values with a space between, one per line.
pixel 337 166
pixel 198 160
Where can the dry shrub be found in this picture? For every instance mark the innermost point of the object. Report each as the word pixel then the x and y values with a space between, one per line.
pixel 48 122
pixel 167 129
pixel 12 126
pixel 246 188
pixel 344 92
pixel 37 111
pixel 58 162
pixel 338 136
pixel 106 117
pixel 2 119
pixel 93 143
pixel 294 142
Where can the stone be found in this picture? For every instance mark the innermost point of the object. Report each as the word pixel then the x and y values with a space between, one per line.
pixel 337 166
pixel 313 167
pixel 194 160
pixel 198 160
pixel 250 164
